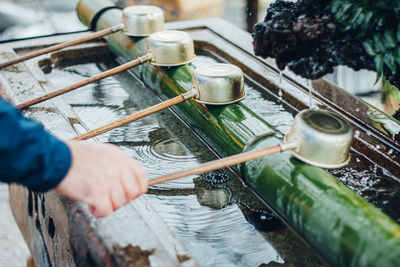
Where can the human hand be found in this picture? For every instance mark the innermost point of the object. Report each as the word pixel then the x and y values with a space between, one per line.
pixel 102 176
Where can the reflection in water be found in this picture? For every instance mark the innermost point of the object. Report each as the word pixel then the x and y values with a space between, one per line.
pixel 172 150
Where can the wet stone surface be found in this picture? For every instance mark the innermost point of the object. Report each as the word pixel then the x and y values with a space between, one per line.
pixel 210 214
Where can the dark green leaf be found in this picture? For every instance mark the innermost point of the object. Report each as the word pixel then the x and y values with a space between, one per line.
pixel 366 24
pixel 359 21
pixel 389 61
pixel 390 39
pixel 355 14
pixel 396 55
pixel 378 60
pixel 369 47
pixel 398 32
pixel 335 6
pixel 379 43
pixel 342 16
pixel 368 18
pixel 347 5
pixel 339 14
pixel 339 8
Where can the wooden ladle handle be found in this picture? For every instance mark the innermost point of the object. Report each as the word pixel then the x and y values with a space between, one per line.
pixel 138 115
pixel 56 47
pixel 218 164
pixel 130 118
pixel 87 81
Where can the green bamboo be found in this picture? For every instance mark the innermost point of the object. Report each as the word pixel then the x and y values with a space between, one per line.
pixel 343 227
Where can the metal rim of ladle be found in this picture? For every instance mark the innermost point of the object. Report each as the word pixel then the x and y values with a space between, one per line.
pixel 158 25
pixel 299 156
pixel 221 103
pixel 216 103
pixel 335 139
pixel 183 45
pixel 172 65
pixel 318 164
pixel 229 78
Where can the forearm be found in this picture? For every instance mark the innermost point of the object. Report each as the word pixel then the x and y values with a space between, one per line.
pixel 28 154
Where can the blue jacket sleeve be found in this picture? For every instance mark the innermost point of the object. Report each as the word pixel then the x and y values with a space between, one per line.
pixel 29 155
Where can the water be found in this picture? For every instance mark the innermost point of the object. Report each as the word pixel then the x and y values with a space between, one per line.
pixel 203 217
pixel 215 234
pixel 210 230
pixel 106 101
pixel 373 183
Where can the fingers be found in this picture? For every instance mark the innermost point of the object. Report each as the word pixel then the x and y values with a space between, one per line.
pixel 118 196
pixel 134 180
pixel 130 185
pixel 102 208
pixel 140 175
pixel 111 178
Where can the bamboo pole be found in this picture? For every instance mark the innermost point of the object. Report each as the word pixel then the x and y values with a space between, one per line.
pixel 138 115
pixel 87 81
pixel 218 164
pixel 56 47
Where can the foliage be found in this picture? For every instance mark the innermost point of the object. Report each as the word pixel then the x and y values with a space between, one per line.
pixel 389 91
pixel 377 22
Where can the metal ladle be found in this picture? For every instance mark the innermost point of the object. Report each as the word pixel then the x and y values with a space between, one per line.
pixel 317 137
pixel 165 48
pixel 138 21
pixel 216 84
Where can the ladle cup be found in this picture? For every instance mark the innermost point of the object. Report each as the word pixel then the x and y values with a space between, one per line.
pixel 216 84
pixel 165 48
pixel 317 137
pixel 138 21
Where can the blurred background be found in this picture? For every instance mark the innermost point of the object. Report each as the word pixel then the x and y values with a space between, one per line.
pixel 25 18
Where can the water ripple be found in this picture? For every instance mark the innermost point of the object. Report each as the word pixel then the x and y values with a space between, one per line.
pixel 207 233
